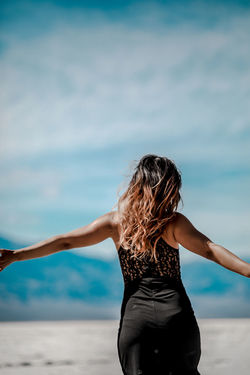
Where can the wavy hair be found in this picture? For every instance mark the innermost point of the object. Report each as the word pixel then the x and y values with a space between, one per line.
pixel 149 204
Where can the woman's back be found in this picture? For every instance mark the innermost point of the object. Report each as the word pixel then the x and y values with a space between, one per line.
pixel 167 265
pixel 168 259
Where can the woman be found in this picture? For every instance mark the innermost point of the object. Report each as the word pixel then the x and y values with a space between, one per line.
pixel 158 332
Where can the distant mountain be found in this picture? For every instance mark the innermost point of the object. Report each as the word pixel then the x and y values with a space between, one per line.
pixel 67 286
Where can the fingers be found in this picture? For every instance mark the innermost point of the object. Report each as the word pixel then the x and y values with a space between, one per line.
pixel 2 251
pixel 3 259
pixel 2 254
pixel 6 258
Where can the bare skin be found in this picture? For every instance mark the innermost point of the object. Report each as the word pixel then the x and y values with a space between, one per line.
pixel 180 231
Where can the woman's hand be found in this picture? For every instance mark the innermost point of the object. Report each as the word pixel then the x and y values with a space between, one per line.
pixel 7 257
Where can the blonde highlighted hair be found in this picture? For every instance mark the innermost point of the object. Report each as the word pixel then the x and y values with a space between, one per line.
pixel 149 204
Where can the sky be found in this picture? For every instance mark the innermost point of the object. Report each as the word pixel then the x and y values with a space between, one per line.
pixel 88 88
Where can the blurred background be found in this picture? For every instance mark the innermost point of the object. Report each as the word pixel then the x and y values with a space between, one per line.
pixel 88 88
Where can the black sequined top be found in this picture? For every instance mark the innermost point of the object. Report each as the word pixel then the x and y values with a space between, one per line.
pixel 168 264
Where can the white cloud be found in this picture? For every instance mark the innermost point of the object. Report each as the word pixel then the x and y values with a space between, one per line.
pixel 76 86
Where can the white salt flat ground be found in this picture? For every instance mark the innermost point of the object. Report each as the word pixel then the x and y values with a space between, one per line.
pixel 89 347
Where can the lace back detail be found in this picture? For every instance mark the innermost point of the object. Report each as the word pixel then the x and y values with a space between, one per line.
pixel 168 264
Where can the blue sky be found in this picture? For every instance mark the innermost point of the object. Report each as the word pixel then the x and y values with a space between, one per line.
pixel 90 87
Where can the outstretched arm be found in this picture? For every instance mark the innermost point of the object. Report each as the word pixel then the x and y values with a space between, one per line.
pixel 91 234
pixel 189 237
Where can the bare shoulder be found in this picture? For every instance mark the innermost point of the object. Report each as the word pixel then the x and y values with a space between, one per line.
pixel 179 220
pixel 189 236
pixel 105 219
pixel 182 223
pixel 174 228
pixel 113 218
pixel 105 223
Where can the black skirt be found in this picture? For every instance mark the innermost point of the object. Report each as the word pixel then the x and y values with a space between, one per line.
pixel 158 331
